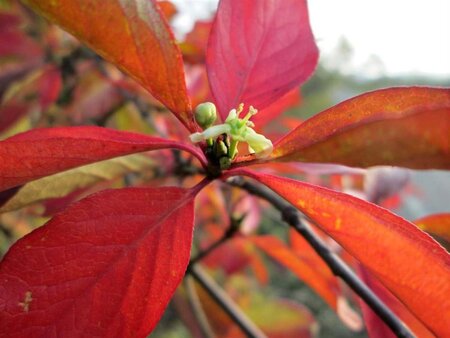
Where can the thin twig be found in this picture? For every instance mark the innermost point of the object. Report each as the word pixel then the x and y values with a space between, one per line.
pixel 197 309
pixel 292 217
pixel 229 233
pixel 225 302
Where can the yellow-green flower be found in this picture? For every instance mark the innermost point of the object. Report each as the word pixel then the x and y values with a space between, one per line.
pixel 239 130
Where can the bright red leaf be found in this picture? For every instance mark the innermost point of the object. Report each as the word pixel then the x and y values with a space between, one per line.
pixel 406 260
pixel 255 56
pixel 41 152
pixel 407 127
pixel 133 35
pixel 107 266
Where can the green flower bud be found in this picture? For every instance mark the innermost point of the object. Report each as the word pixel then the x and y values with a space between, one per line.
pixel 205 114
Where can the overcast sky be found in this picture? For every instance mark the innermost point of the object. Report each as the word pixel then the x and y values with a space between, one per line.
pixel 408 36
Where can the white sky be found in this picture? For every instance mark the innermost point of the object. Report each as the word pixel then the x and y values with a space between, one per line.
pixel 408 36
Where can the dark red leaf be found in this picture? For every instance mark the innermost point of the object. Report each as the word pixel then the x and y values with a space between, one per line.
pixel 105 267
pixel 258 51
pixel 133 35
pixel 33 94
pixel 92 98
pixel 41 152
pixel 413 266
pixel 9 21
pixel 407 127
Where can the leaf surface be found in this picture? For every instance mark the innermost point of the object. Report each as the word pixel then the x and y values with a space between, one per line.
pixel 407 127
pixel 64 183
pixel 132 34
pixel 407 261
pixel 107 266
pixel 42 152
pixel 376 328
pixel 258 51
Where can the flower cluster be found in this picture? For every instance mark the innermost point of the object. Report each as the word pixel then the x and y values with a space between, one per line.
pixel 239 130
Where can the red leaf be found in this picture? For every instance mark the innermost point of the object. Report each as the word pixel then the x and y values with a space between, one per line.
pixel 195 43
pixel 437 224
pixel 404 259
pixel 232 257
pixel 41 152
pixel 133 35
pixel 105 267
pixel 271 112
pixel 169 10
pixel 258 51
pixel 15 44
pixel 407 127
pixel 9 21
pixel 92 98
pixel 376 328
pixel 36 92
pixel 307 266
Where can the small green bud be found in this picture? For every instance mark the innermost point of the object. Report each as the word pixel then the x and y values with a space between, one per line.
pixel 205 114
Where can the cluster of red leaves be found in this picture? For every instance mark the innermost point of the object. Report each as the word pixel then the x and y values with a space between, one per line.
pixel 109 264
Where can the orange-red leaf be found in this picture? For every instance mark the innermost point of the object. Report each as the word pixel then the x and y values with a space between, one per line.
pixel 407 127
pixel 41 152
pixel 133 35
pixel 105 267
pixel 403 258
pixel 437 224
pixel 304 265
pixel 376 328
